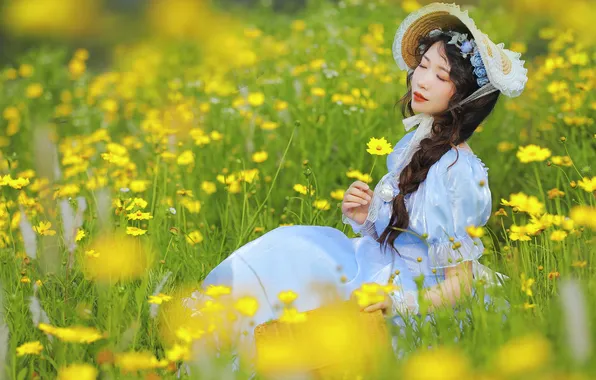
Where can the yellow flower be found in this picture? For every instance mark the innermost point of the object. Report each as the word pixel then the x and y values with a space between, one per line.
pixel 120 258
pixel 44 229
pixel 561 160
pixel 528 305
pixel 322 204
pixel 91 253
pixel 526 285
pixel 139 215
pixel 178 353
pixel 78 372
pixel 532 153
pixel 138 185
pixel 138 361
pixel 194 237
pixel 584 215
pixel 280 105
pixel 80 235
pixel 76 68
pixel 259 157
pixel 136 202
pixel 298 25
pixel 379 147
pixel 29 348
pixel 338 194
pixel 26 70
pixel 159 299
pixel 410 6
pixel 555 193
pixel 558 235
pixel 75 334
pixel 529 204
pixel 287 296
pixel 247 305
pixel 291 315
pixel 217 290
pixel 505 146
pixel 256 99
pixel 34 91
pixel 437 363
pixel 302 189
pixel 194 207
pixel 579 264
pixel 134 231
pixel 317 91
pixel 186 158
pixel 523 355
pixel 370 293
pixel 208 187
pixel 588 184
pixel 269 125
pixel 475 232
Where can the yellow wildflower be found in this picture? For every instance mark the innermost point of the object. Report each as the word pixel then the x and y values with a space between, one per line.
pixel 193 206
pixel 379 147
pixel 298 25
pixel 80 235
pixel 475 232
pixel 338 194
pixel 529 204
pixel 136 202
pixel 369 293
pixel 584 215
pixel 139 215
pixel 138 361
pixel 532 153
pixel 522 355
pixel 78 372
pixel 280 105
pixel 269 125
pixel 34 91
pixel 505 146
pixel 159 299
pixel 194 237
pixel 317 91
pixel 302 189
pixel 186 158
pixel 561 160
pixel 91 253
pixel 178 353
pixel 208 187
pixel 437 363
pixel 44 229
pixel 29 348
pixel 579 264
pixel 291 315
pixel 555 193
pixel 526 285
pixel 26 70
pixel 259 157
pixel 138 185
pixel 287 296
pixel 134 231
pixel 247 305
pixel 588 184
pixel 75 334
pixel 558 235
pixel 256 99
pixel 217 290
pixel 322 204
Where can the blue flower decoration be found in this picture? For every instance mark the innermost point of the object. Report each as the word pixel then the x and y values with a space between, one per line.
pixel 466 47
pixel 479 69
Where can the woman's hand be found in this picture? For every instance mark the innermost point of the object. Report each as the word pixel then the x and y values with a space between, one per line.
pixel 357 201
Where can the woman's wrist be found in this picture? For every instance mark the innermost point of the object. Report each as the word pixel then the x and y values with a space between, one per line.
pixel 404 303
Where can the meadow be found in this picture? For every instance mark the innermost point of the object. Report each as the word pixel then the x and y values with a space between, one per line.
pixel 123 183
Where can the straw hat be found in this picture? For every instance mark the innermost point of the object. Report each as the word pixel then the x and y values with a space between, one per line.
pixel 504 68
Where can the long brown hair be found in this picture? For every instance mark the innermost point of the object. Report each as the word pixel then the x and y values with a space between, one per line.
pixel 449 129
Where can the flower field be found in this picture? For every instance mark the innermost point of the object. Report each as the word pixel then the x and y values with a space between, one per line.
pixel 125 179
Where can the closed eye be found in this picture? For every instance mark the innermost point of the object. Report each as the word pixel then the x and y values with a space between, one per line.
pixel 441 79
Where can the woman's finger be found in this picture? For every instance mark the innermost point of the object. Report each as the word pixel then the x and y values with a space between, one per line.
pixel 360 185
pixel 355 199
pixel 359 193
pixel 375 307
pixel 351 205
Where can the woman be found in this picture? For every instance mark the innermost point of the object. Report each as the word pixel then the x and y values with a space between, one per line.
pixel 416 221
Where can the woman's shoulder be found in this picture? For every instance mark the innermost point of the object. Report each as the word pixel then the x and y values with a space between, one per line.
pixel 461 164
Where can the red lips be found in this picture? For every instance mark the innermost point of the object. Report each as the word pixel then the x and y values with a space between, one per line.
pixel 418 97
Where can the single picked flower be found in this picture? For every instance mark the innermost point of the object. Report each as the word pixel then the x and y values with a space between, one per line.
pixel 379 147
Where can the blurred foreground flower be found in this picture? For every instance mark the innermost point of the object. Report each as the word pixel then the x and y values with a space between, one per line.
pixel 137 361
pixel 118 258
pixel 584 215
pixel 437 364
pixel 74 334
pixel 78 372
pixel 29 348
pixel 522 355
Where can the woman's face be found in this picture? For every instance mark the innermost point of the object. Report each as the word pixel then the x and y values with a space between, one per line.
pixel 431 81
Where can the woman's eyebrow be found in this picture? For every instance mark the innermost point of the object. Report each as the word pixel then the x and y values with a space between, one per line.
pixel 440 67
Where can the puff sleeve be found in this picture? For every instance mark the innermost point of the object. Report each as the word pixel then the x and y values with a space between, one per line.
pixel 458 196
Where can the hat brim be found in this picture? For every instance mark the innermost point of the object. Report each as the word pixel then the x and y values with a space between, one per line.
pixel 505 67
